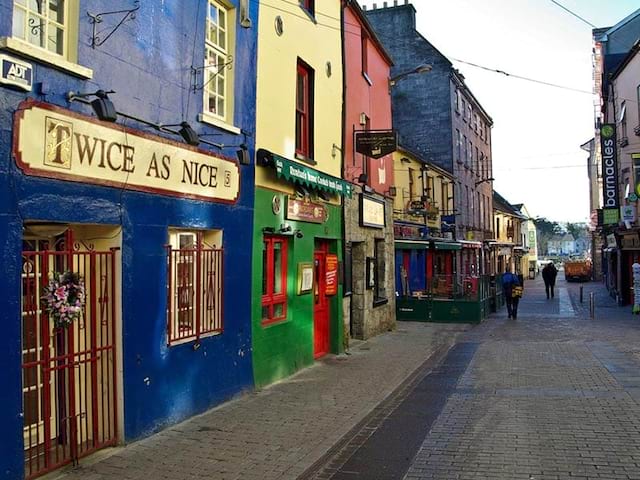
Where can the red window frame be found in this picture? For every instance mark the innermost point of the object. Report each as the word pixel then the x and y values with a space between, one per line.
pixel 304 111
pixel 270 299
pixel 309 6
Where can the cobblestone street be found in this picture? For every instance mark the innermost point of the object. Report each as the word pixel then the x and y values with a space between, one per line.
pixel 552 395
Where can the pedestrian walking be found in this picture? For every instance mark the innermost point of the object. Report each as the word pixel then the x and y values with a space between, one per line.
pixel 512 292
pixel 549 274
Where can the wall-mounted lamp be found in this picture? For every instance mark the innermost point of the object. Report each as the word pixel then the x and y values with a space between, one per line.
pixel 268 230
pixel 243 155
pixel 392 192
pixel 363 178
pixel 405 160
pixel 422 68
pixel 490 179
pixel 102 106
pixel 187 133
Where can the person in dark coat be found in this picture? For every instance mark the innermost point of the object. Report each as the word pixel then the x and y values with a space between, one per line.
pixel 510 280
pixel 549 274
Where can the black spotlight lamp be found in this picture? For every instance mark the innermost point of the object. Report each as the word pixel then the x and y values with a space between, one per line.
pixel 103 107
pixel 243 155
pixel 188 134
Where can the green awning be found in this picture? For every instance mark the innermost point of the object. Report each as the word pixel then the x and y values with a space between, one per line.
pixel 447 246
pixel 295 172
pixel 412 245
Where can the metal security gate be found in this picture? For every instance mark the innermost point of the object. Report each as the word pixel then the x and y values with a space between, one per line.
pixel 68 373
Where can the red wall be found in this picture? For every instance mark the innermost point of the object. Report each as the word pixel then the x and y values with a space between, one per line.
pixel 372 99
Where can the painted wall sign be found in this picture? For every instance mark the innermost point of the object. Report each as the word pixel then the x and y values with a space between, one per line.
pixel 57 143
pixel 305 210
pixel 376 143
pixel 16 73
pixel 372 212
pixel 609 166
pixel 331 274
pixel 409 232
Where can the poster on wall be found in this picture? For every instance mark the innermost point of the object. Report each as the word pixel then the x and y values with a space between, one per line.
pixel 332 274
pixel 305 277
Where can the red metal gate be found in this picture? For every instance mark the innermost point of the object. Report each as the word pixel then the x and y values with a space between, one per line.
pixel 68 374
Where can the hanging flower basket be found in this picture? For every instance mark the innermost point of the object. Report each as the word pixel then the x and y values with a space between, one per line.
pixel 64 298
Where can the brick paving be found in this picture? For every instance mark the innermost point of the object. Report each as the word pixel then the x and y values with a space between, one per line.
pixel 280 431
pixel 552 395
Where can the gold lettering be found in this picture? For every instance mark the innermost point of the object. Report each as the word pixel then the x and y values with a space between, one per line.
pixel 128 159
pixel 166 160
pixel 153 165
pixel 188 170
pixel 111 165
pixel 85 149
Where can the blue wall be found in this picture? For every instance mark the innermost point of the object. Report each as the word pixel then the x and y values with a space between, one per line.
pixel 147 63
pixel 421 102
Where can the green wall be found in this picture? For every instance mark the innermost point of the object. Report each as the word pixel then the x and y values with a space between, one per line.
pixel 283 348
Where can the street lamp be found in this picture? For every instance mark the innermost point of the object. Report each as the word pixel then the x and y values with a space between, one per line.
pixel 422 68
pixel 490 179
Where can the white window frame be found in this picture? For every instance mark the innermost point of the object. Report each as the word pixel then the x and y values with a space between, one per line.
pixel 212 74
pixel 67 61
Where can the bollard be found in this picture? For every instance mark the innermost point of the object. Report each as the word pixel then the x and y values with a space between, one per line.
pixel 581 297
pixel 592 305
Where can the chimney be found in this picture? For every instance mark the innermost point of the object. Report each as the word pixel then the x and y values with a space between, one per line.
pixel 384 4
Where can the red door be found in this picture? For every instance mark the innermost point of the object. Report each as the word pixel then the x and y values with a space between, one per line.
pixel 320 303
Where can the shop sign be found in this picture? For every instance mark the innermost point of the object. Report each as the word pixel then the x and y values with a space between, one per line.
pixel 376 143
pixel 417 208
pixel 56 143
pixel 630 241
pixel 610 216
pixel 295 172
pixel 469 235
pixel 16 73
pixel 372 212
pixel 331 274
pixel 611 241
pixel 408 232
pixel 609 165
pixel 628 213
pixel 305 210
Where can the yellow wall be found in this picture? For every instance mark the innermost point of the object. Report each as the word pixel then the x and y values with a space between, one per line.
pixel 404 161
pixel 277 62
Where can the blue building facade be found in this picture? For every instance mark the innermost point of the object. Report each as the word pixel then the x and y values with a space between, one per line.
pixel 151 211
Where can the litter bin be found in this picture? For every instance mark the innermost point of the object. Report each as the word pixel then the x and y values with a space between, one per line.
pixel 532 274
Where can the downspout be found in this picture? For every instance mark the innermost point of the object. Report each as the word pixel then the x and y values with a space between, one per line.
pixel 347 334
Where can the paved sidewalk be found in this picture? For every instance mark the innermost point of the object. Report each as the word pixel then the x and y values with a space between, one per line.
pixel 279 432
pixel 552 395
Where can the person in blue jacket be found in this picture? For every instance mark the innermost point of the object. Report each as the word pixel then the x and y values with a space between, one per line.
pixel 510 280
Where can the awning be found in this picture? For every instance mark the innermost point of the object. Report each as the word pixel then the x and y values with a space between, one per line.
pixel 447 246
pixel 295 172
pixel 408 245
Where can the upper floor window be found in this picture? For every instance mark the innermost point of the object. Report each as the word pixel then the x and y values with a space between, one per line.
pixel 216 58
pixel 309 6
pixel 469 112
pixel 458 144
pixel 638 97
pixel 42 23
pixel 458 101
pixel 304 111
pixel 623 123
pixel 364 54
pixel 464 110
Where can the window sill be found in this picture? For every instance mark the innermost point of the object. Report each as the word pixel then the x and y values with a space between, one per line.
pixel 378 302
pixel 273 323
pixel 216 122
pixel 304 159
pixel 40 55
pixel 193 339
pixel 309 14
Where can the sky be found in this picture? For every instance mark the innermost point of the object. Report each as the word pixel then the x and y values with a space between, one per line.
pixel 538 129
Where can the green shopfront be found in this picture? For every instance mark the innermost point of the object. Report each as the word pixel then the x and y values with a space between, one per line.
pixel 429 286
pixel 297 252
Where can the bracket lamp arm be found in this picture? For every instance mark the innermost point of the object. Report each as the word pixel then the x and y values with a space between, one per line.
pixel 422 68
pixel 490 179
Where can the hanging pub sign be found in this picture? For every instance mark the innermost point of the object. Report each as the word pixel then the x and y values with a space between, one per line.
pixel 305 210
pixel 609 173
pixel 376 143
pixel 16 73
pixel 416 207
pixel 53 142
pixel 331 274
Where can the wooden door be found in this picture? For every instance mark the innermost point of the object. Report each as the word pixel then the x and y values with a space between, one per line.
pixel 320 303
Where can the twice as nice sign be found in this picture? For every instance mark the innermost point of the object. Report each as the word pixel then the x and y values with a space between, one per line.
pixel 57 143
